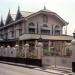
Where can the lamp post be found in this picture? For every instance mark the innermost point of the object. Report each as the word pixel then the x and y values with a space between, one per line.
pixel 73 52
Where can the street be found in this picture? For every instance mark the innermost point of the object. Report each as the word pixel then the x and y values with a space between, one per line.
pixel 6 69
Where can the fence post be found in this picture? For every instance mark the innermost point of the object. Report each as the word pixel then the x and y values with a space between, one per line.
pixel 36 45
pixel 8 51
pixel 40 50
pixel 17 50
pixel 2 50
pixel 5 52
pixel 26 50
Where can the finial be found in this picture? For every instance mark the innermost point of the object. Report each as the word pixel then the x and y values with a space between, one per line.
pixel 9 11
pixel 18 8
pixel 2 24
pixel 1 18
pixel 44 7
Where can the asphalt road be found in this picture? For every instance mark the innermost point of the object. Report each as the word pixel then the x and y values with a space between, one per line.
pixel 6 69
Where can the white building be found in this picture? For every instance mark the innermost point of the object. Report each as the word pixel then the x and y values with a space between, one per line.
pixel 29 27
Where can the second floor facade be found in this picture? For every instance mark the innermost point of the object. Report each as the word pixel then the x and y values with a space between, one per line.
pixel 43 22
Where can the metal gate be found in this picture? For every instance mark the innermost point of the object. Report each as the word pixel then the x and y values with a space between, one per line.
pixel 52 57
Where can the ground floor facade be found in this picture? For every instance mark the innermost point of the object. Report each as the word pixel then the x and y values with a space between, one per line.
pixel 52 45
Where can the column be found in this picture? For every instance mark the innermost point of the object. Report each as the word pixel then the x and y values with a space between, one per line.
pixel 2 50
pixel 17 50
pixel 26 50
pixel 40 50
pixel 36 45
pixel 22 43
pixel 8 50
pixel 49 46
pixel 73 55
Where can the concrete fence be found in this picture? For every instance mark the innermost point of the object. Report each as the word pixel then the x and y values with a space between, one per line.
pixel 64 61
pixel 7 51
pixel 22 53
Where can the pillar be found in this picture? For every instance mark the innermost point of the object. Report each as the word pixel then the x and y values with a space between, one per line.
pixel 17 50
pixel 49 46
pixel 22 43
pixel 40 50
pixel 2 50
pixel 73 55
pixel 36 45
pixel 8 51
pixel 26 50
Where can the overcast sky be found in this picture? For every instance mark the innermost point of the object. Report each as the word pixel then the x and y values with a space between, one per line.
pixel 64 8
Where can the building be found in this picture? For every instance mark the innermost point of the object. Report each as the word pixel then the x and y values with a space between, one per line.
pixel 32 27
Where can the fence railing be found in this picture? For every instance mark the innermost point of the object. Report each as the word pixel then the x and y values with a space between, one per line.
pixel 65 52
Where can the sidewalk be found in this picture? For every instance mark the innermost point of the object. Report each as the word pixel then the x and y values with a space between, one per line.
pixel 53 70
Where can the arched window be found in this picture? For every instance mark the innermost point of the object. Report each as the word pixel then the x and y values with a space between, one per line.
pixel 57 30
pixel 57 27
pixel 31 24
pixel 31 28
pixel 45 30
pixel 45 25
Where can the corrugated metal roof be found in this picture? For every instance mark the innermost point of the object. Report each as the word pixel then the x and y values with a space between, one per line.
pixel 25 13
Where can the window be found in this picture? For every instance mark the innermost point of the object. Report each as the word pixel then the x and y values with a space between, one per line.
pixel 57 27
pixel 31 30
pixel 45 18
pixel 6 35
pixel 20 29
pixel 45 25
pixel 12 33
pixel 31 24
pixel 20 32
pixel 57 30
pixel 46 32
pixel 1 35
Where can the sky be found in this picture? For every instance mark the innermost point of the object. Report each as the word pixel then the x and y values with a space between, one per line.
pixel 64 8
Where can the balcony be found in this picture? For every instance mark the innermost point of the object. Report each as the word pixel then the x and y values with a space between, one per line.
pixel 48 37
